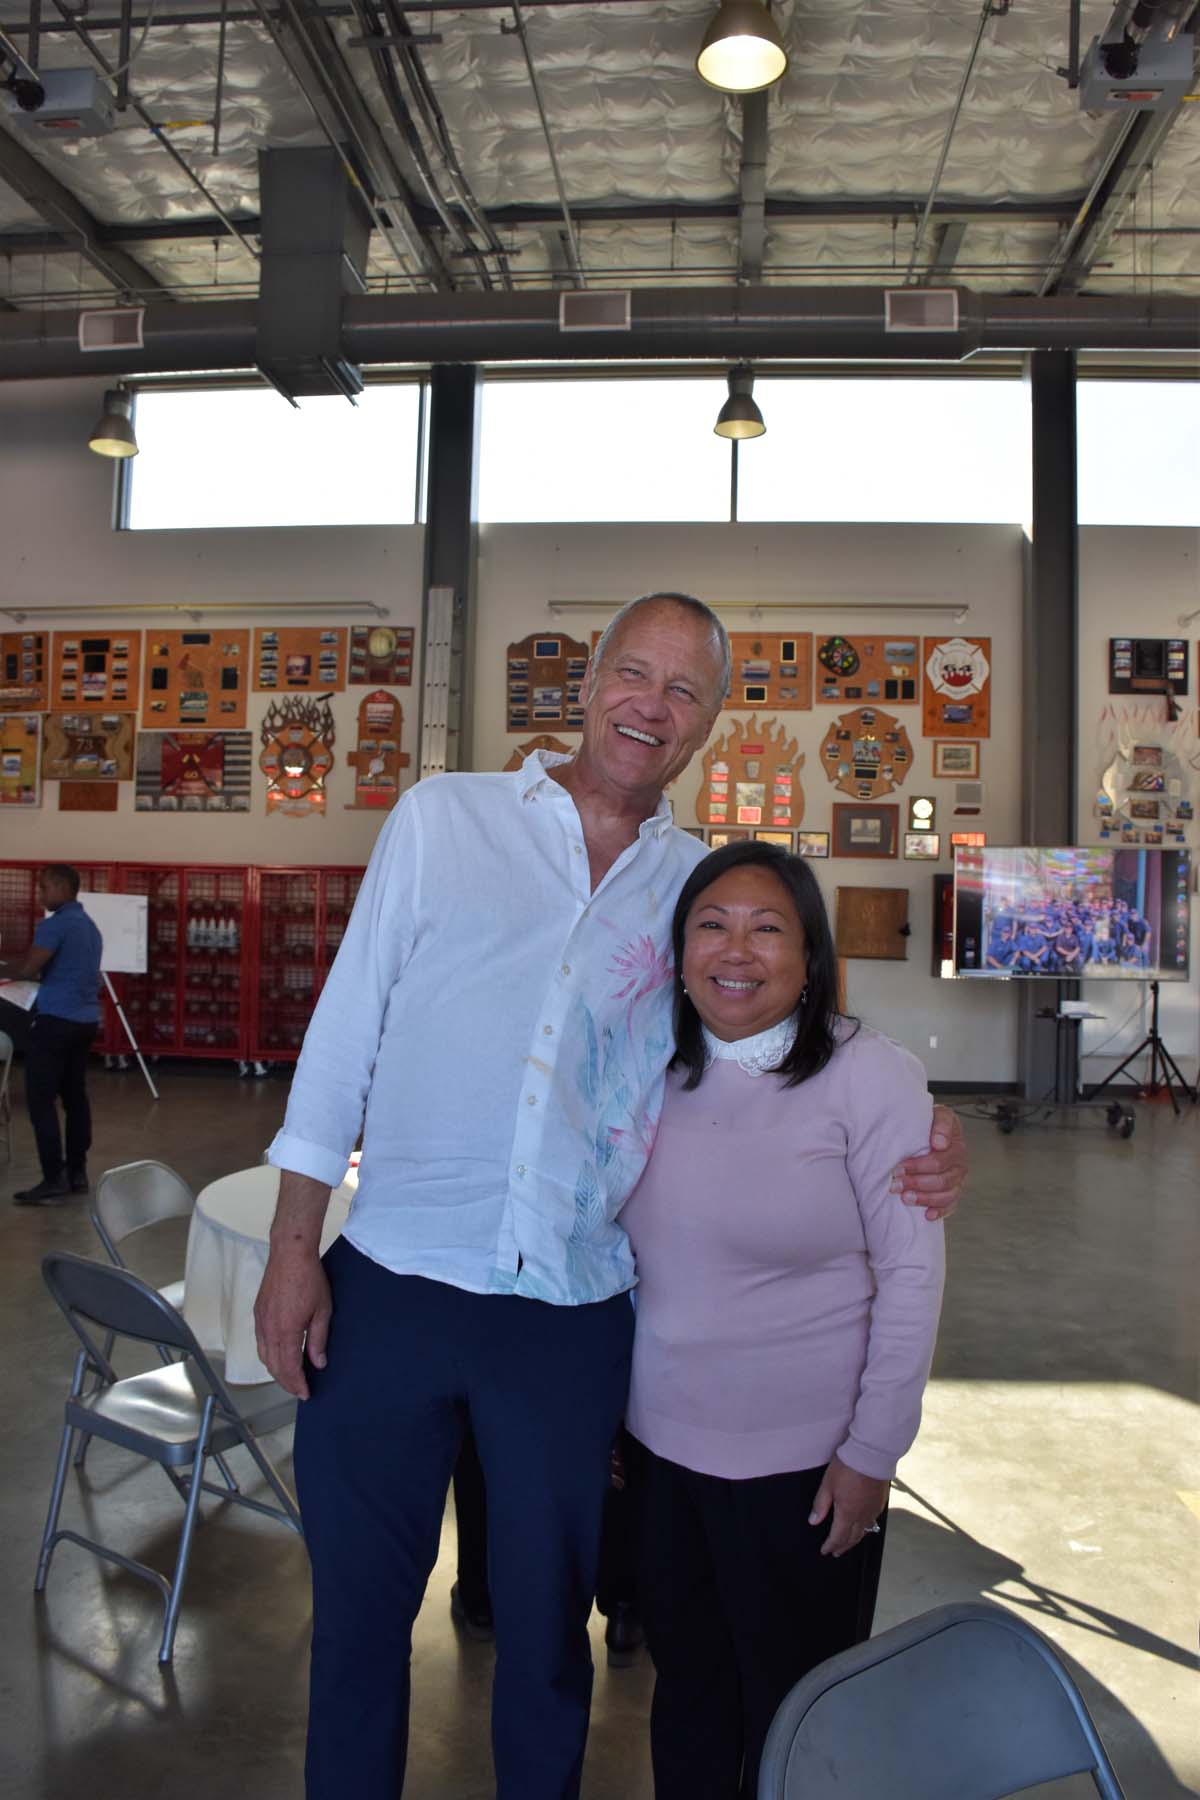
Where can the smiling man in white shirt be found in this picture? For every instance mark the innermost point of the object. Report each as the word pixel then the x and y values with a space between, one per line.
pixel 498 1024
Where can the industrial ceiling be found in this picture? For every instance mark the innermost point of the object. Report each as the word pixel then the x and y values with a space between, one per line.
pixel 542 146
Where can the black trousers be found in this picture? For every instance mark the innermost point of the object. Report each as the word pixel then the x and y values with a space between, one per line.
pixel 544 1387
pixel 738 1604
pixel 56 1060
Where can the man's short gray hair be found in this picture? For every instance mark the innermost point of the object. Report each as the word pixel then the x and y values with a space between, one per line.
pixel 690 604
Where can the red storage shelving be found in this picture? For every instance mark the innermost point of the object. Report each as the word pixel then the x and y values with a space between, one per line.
pixel 301 914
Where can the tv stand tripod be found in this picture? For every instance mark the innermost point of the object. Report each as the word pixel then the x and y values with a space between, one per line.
pixel 1163 1071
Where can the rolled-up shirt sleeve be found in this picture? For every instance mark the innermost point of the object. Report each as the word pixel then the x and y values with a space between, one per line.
pixel 333 1075
pixel 890 1118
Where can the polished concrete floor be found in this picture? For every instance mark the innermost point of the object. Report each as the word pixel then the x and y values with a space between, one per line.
pixel 1056 1472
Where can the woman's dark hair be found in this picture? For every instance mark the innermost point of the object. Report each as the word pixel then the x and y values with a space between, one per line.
pixel 818 1015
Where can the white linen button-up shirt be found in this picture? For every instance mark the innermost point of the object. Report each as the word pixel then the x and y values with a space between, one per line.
pixel 508 1031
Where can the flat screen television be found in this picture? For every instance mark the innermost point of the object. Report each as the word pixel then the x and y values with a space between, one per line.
pixel 1116 914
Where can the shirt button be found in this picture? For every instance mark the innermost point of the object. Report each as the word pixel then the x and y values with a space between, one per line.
pixel 531 1099
pixel 578 849
pixel 520 1168
pixel 547 1031
pixel 566 969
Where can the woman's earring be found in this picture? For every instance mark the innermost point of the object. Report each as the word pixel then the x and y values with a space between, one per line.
pixel 803 1000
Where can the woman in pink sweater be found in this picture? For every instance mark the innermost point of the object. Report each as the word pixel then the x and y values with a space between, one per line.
pixel 786 1315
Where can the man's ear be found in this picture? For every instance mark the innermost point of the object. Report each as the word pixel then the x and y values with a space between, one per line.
pixel 585 686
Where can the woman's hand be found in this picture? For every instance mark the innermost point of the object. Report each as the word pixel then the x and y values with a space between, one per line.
pixel 856 1501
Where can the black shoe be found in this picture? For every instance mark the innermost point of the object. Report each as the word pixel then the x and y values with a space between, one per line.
pixel 78 1181
pixel 477 1622
pixel 46 1193
pixel 623 1636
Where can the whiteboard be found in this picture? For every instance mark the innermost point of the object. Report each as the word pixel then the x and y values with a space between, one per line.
pixel 121 919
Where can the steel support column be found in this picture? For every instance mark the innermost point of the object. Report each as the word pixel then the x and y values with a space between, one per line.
pixel 1050 682
pixel 451 531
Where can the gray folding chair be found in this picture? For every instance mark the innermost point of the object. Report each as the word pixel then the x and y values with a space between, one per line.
pixel 6 1056
pixel 136 1195
pixel 177 1415
pixel 966 1702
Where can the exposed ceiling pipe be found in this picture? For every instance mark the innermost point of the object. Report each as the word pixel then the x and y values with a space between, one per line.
pixel 340 9
pixel 574 256
pixel 713 324
pixel 752 182
pixel 985 15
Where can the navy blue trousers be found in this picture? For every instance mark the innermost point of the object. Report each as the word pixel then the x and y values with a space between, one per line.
pixel 544 1387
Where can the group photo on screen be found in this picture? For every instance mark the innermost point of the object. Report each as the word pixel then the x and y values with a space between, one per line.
pixel 1071 912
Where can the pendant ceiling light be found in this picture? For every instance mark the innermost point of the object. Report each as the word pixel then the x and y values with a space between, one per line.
pixel 740 417
pixel 742 50
pixel 113 433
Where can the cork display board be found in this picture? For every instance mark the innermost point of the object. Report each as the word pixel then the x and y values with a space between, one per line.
pixel 24 669
pixel 88 747
pixel 879 667
pixel 295 658
pixel 95 671
pixel 957 693
pixel 543 741
pixel 21 759
pixel 377 758
pixel 544 676
pixel 866 753
pixel 381 655
pixel 771 671
pixel 193 771
pixel 196 678
pixel 872 923
pixel 751 776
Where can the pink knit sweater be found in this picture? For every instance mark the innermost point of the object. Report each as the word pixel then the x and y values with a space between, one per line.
pixel 787 1302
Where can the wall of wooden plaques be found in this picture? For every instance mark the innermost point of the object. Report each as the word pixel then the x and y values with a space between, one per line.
pixel 881 667
pixel 957 692
pixel 21 759
pixel 95 671
pixel 196 678
pixel 24 670
pixel 381 655
pixel 377 758
pixel 866 753
pixel 751 776
pixel 193 771
pixel 298 659
pixel 544 675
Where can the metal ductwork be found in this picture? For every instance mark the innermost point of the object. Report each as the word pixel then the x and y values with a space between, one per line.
pixel 709 324
pixel 315 233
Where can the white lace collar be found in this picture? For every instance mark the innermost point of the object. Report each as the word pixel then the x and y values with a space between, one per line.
pixel 757 1055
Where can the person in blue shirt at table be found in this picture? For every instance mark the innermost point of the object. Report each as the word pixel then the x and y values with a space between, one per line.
pixel 65 956
pixel 500 1006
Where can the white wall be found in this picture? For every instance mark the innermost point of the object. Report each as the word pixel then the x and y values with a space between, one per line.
pixel 524 568
pixel 1135 583
pixel 56 504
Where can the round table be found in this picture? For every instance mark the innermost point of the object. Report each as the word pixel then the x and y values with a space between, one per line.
pixel 226 1256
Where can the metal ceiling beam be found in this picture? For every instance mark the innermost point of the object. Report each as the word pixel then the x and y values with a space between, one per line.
pixel 945 256
pixel 81 233
pixel 162 19
pixel 752 190
pixel 986 12
pixel 715 324
pixel 1128 157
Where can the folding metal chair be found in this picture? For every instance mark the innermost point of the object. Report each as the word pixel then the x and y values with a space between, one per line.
pixel 6 1056
pixel 133 1196
pixel 966 1702
pixel 177 1415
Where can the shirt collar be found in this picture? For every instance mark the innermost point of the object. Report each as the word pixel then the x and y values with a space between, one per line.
pixel 533 777
pixel 757 1055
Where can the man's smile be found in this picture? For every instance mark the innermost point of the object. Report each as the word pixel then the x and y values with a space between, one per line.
pixel 639 737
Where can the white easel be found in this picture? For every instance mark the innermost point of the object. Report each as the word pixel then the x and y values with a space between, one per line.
pixel 123 923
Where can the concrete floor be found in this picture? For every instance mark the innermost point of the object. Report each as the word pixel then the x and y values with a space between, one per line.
pixel 1055 1472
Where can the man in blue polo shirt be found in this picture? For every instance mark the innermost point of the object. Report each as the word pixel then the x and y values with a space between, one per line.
pixel 65 954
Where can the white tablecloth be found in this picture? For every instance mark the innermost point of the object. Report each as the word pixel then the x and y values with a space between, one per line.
pixel 226 1256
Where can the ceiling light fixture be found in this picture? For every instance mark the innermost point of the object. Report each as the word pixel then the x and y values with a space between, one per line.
pixel 742 50
pixel 113 433
pixel 740 417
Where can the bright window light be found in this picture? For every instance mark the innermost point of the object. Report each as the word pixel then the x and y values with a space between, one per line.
pixel 1160 483
pixel 896 451
pixel 244 457
pixel 558 452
